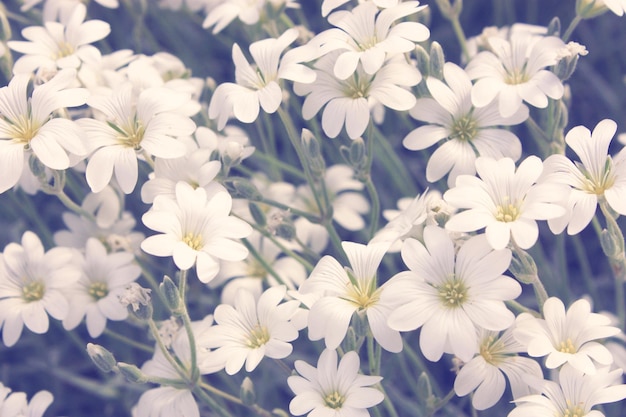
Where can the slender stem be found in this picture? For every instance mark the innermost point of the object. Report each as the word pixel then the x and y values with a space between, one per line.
pixel 460 35
pixel 182 288
pixel 259 258
pixel 309 216
pixel 215 406
pixel 166 353
pixel 129 341
pixel 570 29
pixel 441 403
pixel 67 202
pixel 617 261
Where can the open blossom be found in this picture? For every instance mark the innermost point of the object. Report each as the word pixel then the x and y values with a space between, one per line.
pixel 466 132
pixel 515 71
pixel 58 45
pixel 449 295
pixel 15 404
pixel 95 296
pixel 33 284
pixel 251 329
pixel 346 291
pixel 331 389
pixel 484 374
pixel 575 394
pixel 369 36
pixel 616 6
pixel 148 124
pixel 167 401
pixel 567 336
pixel 195 229
pixel 597 175
pixel 504 201
pixel 26 125
pixel 349 102
pixel 258 86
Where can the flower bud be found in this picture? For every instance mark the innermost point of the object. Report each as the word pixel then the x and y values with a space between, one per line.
pixel 422 59
pixel 246 392
pixel 170 293
pixel 101 357
pixel 257 214
pixel 312 153
pixel 588 9
pixel 137 300
pixel 448 10
pixel 424 388
pixel 437 61
pixel 242 188
pixel 523 267
pixel 132 373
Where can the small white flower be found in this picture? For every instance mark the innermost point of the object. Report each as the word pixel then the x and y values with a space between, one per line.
pixel 146 123
pixel 566 336
pixel 195 229
pixel 33 284
pixel 16 405
pixel 167 401
pixel 467 132
pixel 597 175
pixel 576 394
pixel 347 290
pixel 331 389
pixel 349 205
pixel 514 70
pixel 26 125
pixel 96 295
pixel 258 86
pixel 349 102
pixel 58 45
pixel 504 201
pixel 369 36
pixel 250 330
pixel 484 374
pixel 449 295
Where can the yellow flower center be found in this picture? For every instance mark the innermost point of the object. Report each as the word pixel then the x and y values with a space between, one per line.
pixel 255 269
pixel 567 346
pixel 193 241
pixel 492 350
pixel 23 130
pixel 258 337
pixel 98 290
pixel 516 76
pixel 334 400
pixel 598 186
pixel 453 293
pixel 33 291
pixel 362 293
pixel 356 87
pixel 574 410
pixel 131 134
pixel 64 49
pixel 464 129
pixel 507 212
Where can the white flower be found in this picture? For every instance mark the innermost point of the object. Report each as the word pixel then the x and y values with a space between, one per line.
pixel 16 405
pixel 348 102
pixel 566 336
pixel 575 395
pixel 248 11
pixel 167 401
pixel 250 330
pixel 504 201
pixel 26 125
pixel 58 45
pixel 467 131
pixel 96 295
pixel 195 229
pixel 195 168
pixel 402 223
pixel 514 70
pixel 367 35
pixel 616 6
pixel 449 295
pixel 343 194
pixel 331 389
pixel 252 274
pixel 151 125
pixel 330 5
pixel 349 290
pixel 33 284
pixel 597 175
pixel 112 228
pixel 484 374
pixel 258 86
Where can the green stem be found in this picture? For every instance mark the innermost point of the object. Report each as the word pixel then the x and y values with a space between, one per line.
pixel 442 402
pixel 129 341
pixel 307 265
pixel 67 202
pixel 460 35
pixel 259 258
pixel 195 372
pixel 570 29
pixel 166 353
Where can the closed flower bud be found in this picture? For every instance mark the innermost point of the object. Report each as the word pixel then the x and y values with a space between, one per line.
pixel 523 267
pixel 242 188
pixel 424 389
pixel 132 373
pixel 101 357
pixel 246 392
pixel 170 293
pixel 437 61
